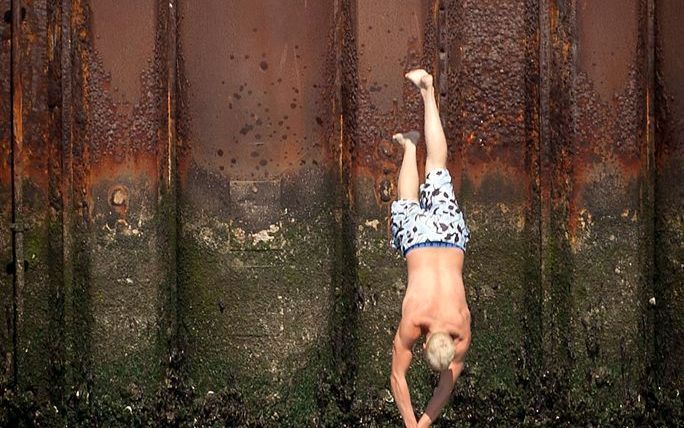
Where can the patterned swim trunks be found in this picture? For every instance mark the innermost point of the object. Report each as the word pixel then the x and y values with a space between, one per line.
pixel 433 221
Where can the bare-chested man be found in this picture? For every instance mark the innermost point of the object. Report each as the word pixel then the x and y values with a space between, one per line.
pixel 429 229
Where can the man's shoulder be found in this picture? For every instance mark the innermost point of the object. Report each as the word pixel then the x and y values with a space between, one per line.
pixel 409 330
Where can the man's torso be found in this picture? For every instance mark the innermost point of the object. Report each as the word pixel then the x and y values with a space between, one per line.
pixel 435 292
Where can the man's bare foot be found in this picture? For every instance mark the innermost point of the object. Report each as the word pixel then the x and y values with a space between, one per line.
pixel 421 78
pixel 410 137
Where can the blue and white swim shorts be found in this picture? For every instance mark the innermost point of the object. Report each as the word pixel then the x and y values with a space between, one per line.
pixel 433 221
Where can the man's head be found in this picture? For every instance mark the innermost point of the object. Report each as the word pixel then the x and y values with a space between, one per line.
pixel 439 350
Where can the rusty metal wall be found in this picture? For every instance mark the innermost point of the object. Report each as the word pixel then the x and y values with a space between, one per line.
pixel 31 196
pixel 6 192
pixel 598 179
pixel 206 190
pixel 122 91
pixel 255 192
pixel 6 280
pixel 91 311
pixel 492 103
pixel 669 196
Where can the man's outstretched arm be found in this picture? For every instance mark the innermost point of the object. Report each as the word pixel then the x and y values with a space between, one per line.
pixel 447 380
pixel 401 360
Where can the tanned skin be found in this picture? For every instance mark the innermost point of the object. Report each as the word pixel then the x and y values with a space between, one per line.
pixel 435 297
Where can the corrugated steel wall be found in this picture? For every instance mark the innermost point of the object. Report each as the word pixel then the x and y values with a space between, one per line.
pixel 203 187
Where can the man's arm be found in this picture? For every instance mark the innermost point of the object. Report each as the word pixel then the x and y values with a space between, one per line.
pixel 401 360
pixel 447 380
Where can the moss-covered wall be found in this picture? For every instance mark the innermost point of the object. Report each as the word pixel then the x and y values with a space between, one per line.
pixel 254 311
pixel 206 193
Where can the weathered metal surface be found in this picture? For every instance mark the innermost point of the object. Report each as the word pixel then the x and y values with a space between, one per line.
pixel 6 261
pixel 669 199
pixel 555 128
pixel 388 41
pixel 605 218
pixel 17 156
pixel 596 254
pixel 207 188
pixel 30 154
pixel 255 102
pixel 119 149
pixel 256 247
pixel 491 118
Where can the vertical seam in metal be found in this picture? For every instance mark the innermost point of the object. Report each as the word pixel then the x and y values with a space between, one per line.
pixel 16 137
pixel 67 176
pixel 337 105
pixel 172 167
pixel 651 176
pixel 544 36
pixel 171 91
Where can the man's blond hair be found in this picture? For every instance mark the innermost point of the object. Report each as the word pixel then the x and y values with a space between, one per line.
pixel 439 351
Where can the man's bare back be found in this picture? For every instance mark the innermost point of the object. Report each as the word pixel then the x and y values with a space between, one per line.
pixel 435 295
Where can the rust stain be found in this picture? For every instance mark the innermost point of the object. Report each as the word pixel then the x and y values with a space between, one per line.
pixel 120 133
pixel 609 114
pixel 670 83
pixel 122 39
pixel 143 164
pixel 18 122
pixel 485 118
pixel 387 102
pixel 488 95
pixel 607 43
pixel 5 108
pixel 259 110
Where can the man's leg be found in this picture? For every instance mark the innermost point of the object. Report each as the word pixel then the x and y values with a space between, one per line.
pixel 407 188
pixel 434 134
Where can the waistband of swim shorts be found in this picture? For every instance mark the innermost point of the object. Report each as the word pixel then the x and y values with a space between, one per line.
pixel 434 244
